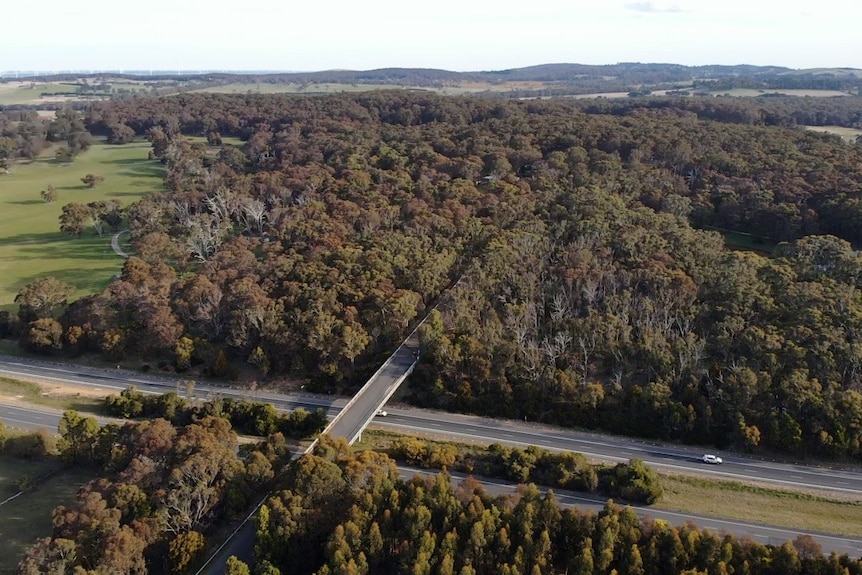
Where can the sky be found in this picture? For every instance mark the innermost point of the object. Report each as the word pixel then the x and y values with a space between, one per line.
pixel 460 35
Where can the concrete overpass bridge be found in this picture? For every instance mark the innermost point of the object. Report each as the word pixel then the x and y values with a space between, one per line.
pixel 352 420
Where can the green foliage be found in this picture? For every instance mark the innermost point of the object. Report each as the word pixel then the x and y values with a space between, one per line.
pixel 77 436
pixel 92 180
pixel 259 358
pixel 165 487
pixel 247 417
pixel 564 470
pixel 129 403
pixel 183 353
pixel 633 481
pixel 236 567
pixel 387 525
pixel 220 366
pixel 185 550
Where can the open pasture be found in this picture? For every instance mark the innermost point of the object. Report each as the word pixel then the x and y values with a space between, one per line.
pixel 21 93
pixel 31 244
pixel 28 517
pixel 849 134
pixel 751 93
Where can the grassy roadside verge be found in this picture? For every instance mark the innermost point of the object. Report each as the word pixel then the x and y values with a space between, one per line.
pixel 34 394
pixel 697 495
pixel 744 502
pixel 721 499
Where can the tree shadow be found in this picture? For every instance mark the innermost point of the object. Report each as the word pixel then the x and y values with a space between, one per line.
pixel 149 171
pixel 87 407
pixel 34 238
pixel 91 280
pixel 27 202
pixel 127 161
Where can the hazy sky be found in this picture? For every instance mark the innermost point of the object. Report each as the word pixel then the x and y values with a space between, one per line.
pixel 451 34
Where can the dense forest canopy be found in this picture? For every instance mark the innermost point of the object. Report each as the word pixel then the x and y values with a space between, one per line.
pixel 592 292
pixel 344 513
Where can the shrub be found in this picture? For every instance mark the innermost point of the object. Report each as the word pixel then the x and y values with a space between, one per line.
pixel 35 445
pixel 92 180
pixel 411 450
pixel 633 481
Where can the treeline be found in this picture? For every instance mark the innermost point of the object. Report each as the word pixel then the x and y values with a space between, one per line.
pixel 587 296
pixel 351 514
pixel 246 417
pixel 792 81
pixel 776 110
pixel 24 136
pixel 633 482
pixel 164 490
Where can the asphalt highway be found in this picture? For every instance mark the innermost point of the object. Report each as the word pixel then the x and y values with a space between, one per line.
pixel 422 422
pixel 425 422
pixel 28 418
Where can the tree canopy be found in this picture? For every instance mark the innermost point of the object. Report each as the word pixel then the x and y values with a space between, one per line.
pixel 594 288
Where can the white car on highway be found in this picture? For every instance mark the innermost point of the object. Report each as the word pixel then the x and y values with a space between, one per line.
pixel 711 459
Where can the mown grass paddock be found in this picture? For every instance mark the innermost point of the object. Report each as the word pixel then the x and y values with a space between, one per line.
pixel 28 517
pixel 31 244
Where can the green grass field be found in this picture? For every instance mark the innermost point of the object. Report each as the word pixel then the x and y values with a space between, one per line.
pixel 12 93
pixel 31 244
pixel 28 517
pixel 783 508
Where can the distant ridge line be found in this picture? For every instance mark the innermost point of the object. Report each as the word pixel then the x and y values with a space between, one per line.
pixel 547 69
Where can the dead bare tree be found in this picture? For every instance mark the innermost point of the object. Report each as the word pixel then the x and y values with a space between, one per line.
pixel 205 234
pixel 253 214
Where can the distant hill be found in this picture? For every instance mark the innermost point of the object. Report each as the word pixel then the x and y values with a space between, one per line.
pixel 545 80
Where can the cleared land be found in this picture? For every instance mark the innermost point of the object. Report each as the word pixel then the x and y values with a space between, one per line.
pixel 13 93
pixel 733 500
pixel 849 134
pixel 31 244
pixel 751 92
pixel 28 517
pixel 51 395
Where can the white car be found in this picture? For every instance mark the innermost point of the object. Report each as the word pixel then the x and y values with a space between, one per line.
pixel 711 459
pixel 381 413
